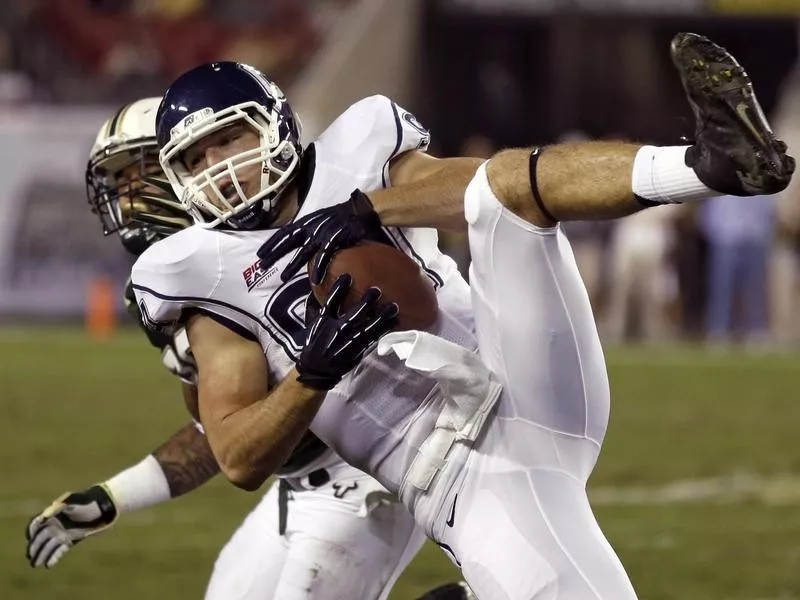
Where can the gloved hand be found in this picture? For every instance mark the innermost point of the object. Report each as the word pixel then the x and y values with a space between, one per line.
pixel 69 519
pixel 321 234
pixel 177 356
pixel 336 343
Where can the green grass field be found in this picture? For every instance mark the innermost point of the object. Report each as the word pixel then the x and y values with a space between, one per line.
pixel 698 487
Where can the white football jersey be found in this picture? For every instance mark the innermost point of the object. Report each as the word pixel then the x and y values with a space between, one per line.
pixel 366 417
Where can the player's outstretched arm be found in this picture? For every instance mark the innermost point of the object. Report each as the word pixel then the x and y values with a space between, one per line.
pixel 425 191
pixel 181 464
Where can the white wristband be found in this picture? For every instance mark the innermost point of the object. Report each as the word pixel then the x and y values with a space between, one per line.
pixel 140 486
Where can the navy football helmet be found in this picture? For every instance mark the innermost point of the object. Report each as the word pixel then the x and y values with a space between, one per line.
pixel 207 99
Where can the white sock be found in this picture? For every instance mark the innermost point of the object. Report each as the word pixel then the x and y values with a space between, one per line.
pixel 661 176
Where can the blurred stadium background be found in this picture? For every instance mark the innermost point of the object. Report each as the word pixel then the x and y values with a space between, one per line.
pixel 698 487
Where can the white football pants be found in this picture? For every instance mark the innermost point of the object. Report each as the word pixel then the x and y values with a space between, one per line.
pixel 331 550
pixel 516 517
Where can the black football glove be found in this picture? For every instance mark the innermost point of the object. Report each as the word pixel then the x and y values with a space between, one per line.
pixel 313 308
pixel 326 230
pixel 336 343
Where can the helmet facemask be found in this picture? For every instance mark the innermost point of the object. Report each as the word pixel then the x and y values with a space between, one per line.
pixel 217 194
pixel 140 205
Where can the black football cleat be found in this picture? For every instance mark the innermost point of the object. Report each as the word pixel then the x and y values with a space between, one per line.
pixel 450 591
pixel 735 151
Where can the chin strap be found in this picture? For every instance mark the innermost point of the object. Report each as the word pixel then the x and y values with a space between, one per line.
pixel 255 217
pixel 138 238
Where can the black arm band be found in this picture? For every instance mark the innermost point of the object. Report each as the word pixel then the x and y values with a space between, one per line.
pixel 532 162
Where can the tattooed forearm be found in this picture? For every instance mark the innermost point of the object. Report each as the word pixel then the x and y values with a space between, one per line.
pixel 187 460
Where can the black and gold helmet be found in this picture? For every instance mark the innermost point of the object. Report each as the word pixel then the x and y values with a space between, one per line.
pixel 125 184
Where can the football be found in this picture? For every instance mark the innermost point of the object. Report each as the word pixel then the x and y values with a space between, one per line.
pixel 399 278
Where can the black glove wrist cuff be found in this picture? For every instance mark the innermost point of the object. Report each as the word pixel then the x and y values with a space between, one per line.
pixel 322 383
pixel 362 204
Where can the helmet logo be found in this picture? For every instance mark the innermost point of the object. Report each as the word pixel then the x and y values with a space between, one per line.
pixel 188 121
pixel 275 91
pixel 412 120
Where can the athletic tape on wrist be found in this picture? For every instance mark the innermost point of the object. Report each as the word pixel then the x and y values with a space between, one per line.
pixel 140 486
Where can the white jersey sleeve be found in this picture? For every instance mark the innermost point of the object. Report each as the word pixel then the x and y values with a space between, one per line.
pixel 355 151
pixel 373 131
pixel 172 275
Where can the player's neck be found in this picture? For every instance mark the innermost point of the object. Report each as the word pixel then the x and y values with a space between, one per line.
pixel 288 207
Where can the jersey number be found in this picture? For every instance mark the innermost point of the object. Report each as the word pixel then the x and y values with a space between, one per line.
pixel 285 313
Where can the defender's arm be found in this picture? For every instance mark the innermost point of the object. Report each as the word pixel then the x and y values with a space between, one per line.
pixel 187 460
pixel 181 464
